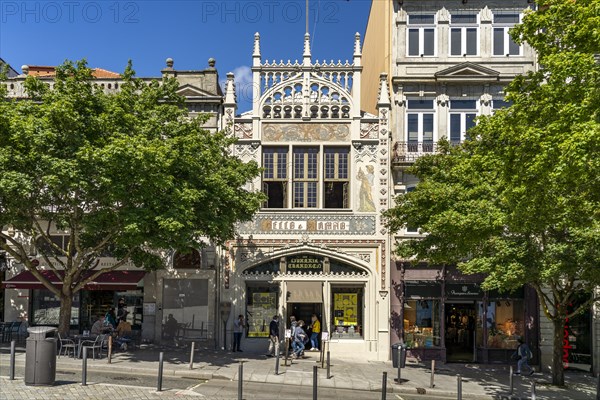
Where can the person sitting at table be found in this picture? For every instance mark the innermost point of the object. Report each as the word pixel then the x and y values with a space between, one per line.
pixel 98 326
pixel 123 334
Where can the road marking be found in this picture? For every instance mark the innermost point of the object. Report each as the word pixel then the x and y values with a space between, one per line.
pixel 399 398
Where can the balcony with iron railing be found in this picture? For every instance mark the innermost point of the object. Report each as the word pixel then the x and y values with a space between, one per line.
pixel 406 153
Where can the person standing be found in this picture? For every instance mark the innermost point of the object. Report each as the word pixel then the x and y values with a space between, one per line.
pixel 111 318
pixel 274 337
pixel 523 354
pixel 315 330
pixel 238 329
pixel 299 340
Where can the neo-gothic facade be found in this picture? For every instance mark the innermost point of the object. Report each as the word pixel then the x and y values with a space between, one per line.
pixel 318 244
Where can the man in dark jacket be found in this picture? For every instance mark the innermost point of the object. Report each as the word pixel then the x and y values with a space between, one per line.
pixel 274 337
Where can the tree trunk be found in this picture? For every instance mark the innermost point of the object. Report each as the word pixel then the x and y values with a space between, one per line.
pixel 64 319
pixel 558 375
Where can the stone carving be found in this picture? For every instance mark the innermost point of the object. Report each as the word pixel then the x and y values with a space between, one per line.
pixel 243 131
pixel 305 132
pixel 369 131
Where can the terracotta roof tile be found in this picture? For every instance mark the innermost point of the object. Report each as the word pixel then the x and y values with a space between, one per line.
pixel 43 70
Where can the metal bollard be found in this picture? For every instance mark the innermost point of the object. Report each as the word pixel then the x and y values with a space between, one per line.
pixel 399 351
pixel 458 387
pixel 315 369
pixel 192 355
pixel 277 363
pixel 13 346
pixel 511 383
pixel 598 388
pixel 328 365
pixel 240 380
pixel 532 390
pixel 160 372
pixel 109 349
pixel 84 367
pixel 431 384
pixel 384 386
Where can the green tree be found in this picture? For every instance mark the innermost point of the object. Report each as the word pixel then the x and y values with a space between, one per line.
pixel 129 174
pixel 520 202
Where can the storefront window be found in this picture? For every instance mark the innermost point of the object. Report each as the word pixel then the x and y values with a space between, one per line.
pixel 46 308
pixel 577 339
pixel 347 313
pixel 261 307
pixel 504 323
pixel 422 323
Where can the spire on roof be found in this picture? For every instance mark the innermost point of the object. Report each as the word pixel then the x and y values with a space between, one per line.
pixel 230 98
pixel 307 55
pixel 384 93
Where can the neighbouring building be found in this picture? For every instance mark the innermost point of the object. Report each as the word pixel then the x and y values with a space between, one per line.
pixel 10 72
pixel 318 245
pixel 448 62
pixel 187 288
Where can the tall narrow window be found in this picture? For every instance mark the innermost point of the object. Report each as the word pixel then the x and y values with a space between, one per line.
pixel 420 125
pixel 421 35
pixel 464 35
pixel 462 118
pixel 306 177
pixel 275 177
pixel 336 180
pixel 504 45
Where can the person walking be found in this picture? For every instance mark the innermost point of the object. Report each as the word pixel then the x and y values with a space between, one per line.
pixel 523 354
pixel 299 340
pixel 238 329
pixel 273 337
pixel 315 330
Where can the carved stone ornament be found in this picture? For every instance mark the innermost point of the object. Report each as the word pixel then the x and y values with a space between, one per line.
pixel 243 131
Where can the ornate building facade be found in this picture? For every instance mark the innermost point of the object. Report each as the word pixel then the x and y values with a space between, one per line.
pixel 318 245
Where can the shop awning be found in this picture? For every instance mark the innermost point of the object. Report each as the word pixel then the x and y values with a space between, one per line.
pixel 113 280
pixel 305 292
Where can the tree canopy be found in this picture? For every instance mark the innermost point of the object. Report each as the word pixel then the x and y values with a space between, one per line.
pixel 520 201
pixel 126 174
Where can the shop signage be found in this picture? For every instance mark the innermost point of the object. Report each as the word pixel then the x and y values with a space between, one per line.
pixel 464 290
pixel 304 263
pixel 423 290
pixel 314 225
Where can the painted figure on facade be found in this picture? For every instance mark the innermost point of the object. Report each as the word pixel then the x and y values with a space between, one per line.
pixel 366 189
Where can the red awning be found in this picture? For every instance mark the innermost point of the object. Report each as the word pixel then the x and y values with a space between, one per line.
pixel 113 280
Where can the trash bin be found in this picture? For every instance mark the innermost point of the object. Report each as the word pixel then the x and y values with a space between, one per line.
pixel 395 350
pixel 40 356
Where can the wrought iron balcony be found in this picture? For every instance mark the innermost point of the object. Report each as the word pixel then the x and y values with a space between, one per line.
pixel 409 152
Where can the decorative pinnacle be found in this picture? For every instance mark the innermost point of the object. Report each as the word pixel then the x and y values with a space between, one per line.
pixel 230 97
pixel 357 51
pixel 256 52
pixel 384 94
pixel 306 45
pixel 169 62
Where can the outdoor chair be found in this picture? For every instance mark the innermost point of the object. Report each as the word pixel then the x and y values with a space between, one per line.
pixel 66 345
pixel 98 344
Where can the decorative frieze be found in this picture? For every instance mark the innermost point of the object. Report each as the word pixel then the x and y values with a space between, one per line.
pixel 305 132
pixel 315 225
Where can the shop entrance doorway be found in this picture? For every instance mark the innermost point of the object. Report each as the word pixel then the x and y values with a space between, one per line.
pixel 304 312
pixel 460 331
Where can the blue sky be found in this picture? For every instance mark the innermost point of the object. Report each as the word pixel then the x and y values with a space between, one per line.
pixel 108 33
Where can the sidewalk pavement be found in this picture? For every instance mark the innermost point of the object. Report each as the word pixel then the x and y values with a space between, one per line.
pixel 479 381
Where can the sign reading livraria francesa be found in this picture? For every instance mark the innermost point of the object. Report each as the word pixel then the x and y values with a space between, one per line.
pixel 304 262
pixel 317 224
